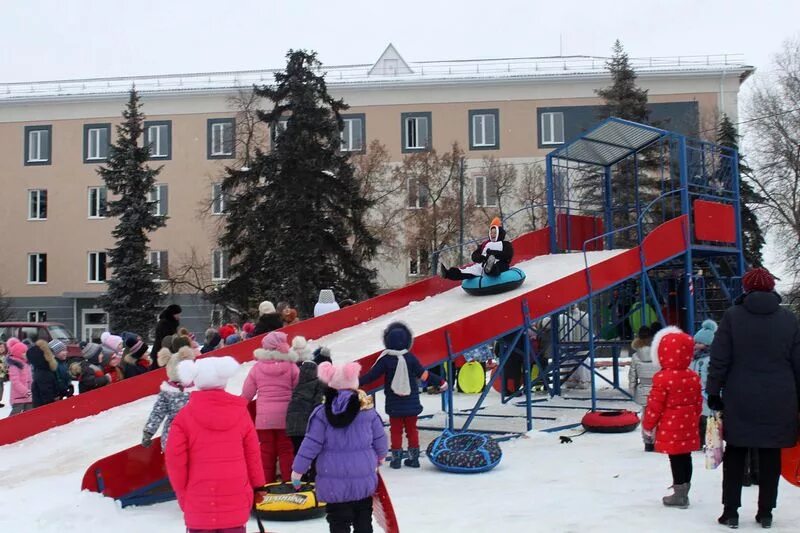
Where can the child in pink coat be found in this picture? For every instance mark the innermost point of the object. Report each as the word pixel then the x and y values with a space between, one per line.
pixel 20 376
pixel 271 381
pixel 212 453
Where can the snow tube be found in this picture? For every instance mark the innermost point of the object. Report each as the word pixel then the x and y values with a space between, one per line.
pixel 464 453
pixel 279 501
pixel 472 378
pixel 610 421
pixel 480 286
pixel 790 465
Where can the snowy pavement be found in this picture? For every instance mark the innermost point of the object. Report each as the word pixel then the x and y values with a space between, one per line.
pixel 598 483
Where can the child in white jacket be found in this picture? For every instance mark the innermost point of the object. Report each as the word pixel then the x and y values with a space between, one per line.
pixel 642 370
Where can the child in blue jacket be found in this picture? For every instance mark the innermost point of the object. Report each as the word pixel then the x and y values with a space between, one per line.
pixel 401 369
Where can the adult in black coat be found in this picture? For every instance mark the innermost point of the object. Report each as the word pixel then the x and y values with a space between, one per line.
pixel 268 319
pixel 44 388
pixel 168 322
pixel 754 379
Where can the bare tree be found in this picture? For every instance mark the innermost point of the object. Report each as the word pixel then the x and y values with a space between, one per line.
pixel 385 219
pixel 431 181
pixel 774 133
pixel 6 313
pixel 500 182
pixel 251 135
pixel 532 191
pixel 192 274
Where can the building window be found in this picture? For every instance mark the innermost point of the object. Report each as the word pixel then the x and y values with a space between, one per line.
pixel 419 262
pixel 37 145
pixel 553 128
pixel 417 194
pixel 159 200
pixel 485 192
pixel 219 200
pixel 219 265
pixel 95 142
pixel 97 202
pixel 160 260
pixel 37 204
pixel 416 131
pixel 221 138
pixel 97 267
pixel 158 138
pixel 37 316
pixel 37 268
pixel 353 133
pixel 483 128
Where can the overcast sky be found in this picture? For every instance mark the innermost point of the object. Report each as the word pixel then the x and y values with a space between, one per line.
pixel 56 39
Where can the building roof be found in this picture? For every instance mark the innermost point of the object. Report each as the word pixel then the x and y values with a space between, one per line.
pixel 390 70
pixel 610 142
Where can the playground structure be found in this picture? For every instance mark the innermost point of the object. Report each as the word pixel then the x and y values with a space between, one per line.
pixel 661 238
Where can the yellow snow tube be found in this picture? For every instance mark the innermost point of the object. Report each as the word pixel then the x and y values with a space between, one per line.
pixel 472 378
pixel 279 501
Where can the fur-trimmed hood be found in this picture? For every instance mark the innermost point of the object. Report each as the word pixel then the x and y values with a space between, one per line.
pixel 170 360
pixel 672 348
pixel 41 357
pixel 274 355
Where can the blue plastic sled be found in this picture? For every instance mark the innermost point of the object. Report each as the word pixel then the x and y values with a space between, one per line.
pixel 483 285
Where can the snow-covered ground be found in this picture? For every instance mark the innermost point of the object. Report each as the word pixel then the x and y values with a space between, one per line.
pixel 598 483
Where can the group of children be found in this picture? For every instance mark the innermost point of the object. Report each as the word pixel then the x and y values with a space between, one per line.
pixel 312 423
pixel 668 377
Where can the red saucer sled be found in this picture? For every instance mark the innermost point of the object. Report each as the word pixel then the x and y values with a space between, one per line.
pixel 790 465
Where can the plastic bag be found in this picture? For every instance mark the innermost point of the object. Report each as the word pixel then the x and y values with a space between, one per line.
pixel 714 443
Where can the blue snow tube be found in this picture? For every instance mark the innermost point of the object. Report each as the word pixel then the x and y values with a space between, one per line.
pixel 483 285
pixel 466 452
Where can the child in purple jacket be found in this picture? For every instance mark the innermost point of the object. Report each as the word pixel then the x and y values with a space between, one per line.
pixel 345 435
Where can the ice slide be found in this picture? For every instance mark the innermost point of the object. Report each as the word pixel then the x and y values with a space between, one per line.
pixel 137 475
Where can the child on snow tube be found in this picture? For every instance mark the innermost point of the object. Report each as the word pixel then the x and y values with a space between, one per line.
pixel 492 257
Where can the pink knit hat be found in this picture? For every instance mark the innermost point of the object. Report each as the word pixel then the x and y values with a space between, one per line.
pixel 340 377
pixel 276 341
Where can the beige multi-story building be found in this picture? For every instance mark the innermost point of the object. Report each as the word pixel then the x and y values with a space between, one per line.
pixel 55 134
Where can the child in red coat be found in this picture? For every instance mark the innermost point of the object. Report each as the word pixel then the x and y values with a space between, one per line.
pixel 212 456
pixel 673 409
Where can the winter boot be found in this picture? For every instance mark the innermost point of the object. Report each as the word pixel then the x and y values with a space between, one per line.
pixel 489 265
pixel 679 497
pixel 730 518
pixel 443 270
pixel 764 518
pixel 397 459
pixel 649 447
pixel 413 458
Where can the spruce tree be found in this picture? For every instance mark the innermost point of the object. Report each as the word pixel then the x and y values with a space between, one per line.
pixel 133 297
pixel 752 236
pixel 625 100
pixel 296 212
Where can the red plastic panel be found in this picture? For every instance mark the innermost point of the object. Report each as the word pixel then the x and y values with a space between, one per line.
pixel 574 230
pixel 666 241
pixel 714 221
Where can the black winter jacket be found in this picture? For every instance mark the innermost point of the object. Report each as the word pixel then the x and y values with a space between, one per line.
pixel 504 257
pixel 167 325
pixel 306 396
pixel 45 387
pixel 268 322
pixel 755 366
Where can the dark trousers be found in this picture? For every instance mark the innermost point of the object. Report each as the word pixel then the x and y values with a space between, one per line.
pixel 733 467
pixel 681 468
pixel 343 516
pixel 703 427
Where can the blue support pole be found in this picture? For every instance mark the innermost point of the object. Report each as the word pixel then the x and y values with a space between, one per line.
pixel 686 209
pixel 608 217
pixel 527 365
pixel 448 395
pixel 554 326
pixel 551 204
pixel 736 186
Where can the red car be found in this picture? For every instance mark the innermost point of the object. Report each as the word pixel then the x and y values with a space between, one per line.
pixel 41 330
